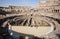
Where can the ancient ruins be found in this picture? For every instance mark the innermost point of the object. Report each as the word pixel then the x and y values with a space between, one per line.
pixel 26 22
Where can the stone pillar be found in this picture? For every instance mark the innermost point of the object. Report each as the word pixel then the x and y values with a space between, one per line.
pixel 26 37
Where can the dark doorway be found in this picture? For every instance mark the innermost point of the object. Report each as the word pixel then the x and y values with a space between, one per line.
pixel 38 38
pixel 21 37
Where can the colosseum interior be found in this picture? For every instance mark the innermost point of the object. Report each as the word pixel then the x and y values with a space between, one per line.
pixel 26 22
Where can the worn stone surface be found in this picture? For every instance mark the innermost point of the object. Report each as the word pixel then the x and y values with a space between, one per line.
pixel 48 11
